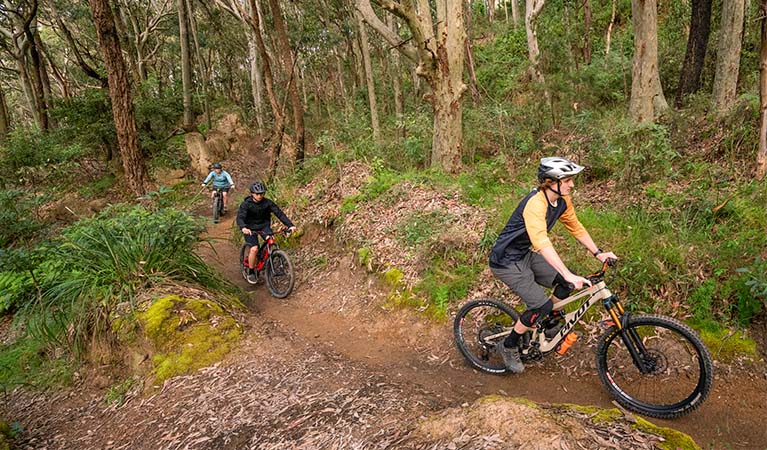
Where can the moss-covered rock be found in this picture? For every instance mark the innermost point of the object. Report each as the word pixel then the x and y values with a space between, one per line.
pixel 673 439
pixel 187 334
pixel 509 420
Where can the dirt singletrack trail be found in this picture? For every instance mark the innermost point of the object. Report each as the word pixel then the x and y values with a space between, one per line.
pixel 336 306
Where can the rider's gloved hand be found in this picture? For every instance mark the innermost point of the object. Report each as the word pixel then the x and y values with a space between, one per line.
pixel 291 229
pixel 576 281
pixel 246 231
pixel 231 187
pixel 604 256
pixel 202 184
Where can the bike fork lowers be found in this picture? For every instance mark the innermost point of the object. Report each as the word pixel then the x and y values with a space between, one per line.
pixel 629 336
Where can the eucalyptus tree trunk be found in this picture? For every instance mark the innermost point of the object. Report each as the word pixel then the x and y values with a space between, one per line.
pixel 514 13
pixel 609 33
pixel 396 71
pixel 587 32
pixel 491 10
pixel 201 64
pixel 532 11
pixel 256 82
pixel 120 94
pixel 369 80
pixel 647 99
pixel 439 53
pixel 697 42
pixel 761 155
pixel 38 75
pixel 291 78
pixel 5 120
pixel 728 54
pixel 186 65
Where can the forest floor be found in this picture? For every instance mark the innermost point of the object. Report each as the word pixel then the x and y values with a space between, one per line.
pixel 328 367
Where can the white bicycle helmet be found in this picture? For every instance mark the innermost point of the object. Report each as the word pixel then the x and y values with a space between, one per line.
pixel 557 168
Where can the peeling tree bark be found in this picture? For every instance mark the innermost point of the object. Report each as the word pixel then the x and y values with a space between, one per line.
pixel 439 53
pixel 728 54
pixel 647 99
pixel 761 155
pixel 119 92
pixel 369 80
pixel 533 9
pixel 291 78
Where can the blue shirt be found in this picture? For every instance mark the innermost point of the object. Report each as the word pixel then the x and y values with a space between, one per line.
pixel 220 180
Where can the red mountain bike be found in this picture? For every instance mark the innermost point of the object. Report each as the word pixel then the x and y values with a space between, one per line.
pixel 273 262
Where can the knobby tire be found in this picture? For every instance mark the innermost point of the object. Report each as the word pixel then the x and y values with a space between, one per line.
pixel 681 367
pixel 279 274
pixel 477 320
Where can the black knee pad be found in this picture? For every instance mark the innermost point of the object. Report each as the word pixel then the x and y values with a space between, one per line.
pixel 561 287
pixel 531 317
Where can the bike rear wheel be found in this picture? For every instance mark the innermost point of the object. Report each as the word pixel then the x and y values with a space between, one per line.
pixel 474 327
pixel 279 274
pixel 679 370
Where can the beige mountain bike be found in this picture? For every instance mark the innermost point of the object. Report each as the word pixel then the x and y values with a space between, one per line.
pixel 651 364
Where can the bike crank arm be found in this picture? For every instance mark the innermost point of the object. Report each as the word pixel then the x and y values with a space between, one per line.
pixel 502 334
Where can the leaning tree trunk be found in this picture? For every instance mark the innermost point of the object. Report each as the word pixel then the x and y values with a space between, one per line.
pixel 119 92
pixel 37 74
pixel 369 80
pixel 761 155
pixel 186 65
pixel 647 100
pixel 728 54
pixel 292 79
pixel 700 26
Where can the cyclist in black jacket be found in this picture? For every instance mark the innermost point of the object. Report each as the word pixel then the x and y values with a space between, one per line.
pixel 255 214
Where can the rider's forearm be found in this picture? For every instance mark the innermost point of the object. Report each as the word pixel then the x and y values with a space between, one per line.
pixel 587 242
pixel 552 257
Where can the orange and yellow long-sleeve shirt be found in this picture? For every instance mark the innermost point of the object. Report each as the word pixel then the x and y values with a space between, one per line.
pixel 529 225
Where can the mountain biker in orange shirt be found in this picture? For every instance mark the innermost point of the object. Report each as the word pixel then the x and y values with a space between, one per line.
pixel 524 258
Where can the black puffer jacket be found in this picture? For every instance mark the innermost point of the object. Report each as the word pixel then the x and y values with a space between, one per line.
pixel 257 215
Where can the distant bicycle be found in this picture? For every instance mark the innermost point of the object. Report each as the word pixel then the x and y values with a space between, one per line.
pixel 218 203
pixel 651 364
pixel 274 262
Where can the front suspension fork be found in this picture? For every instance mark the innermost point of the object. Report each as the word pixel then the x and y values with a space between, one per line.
pixel 629 336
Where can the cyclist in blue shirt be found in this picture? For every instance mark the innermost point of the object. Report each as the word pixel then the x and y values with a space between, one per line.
pixel 221 181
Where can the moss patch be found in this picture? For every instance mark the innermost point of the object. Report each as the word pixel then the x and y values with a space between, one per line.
pixel 725 345
pixel 187 334
pixel 673 439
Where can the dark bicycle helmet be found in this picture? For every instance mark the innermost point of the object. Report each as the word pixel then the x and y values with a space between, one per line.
pixel 258 188
pixel 217 166
pixel 557 168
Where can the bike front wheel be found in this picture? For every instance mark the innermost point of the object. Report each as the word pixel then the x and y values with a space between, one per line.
pixel 677 369
pixel 279 274
pixel 244 252
pixel 217 208
pixel 479 327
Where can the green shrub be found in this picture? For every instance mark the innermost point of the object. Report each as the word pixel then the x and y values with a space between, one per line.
pixel 17 220
pixel 104 261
